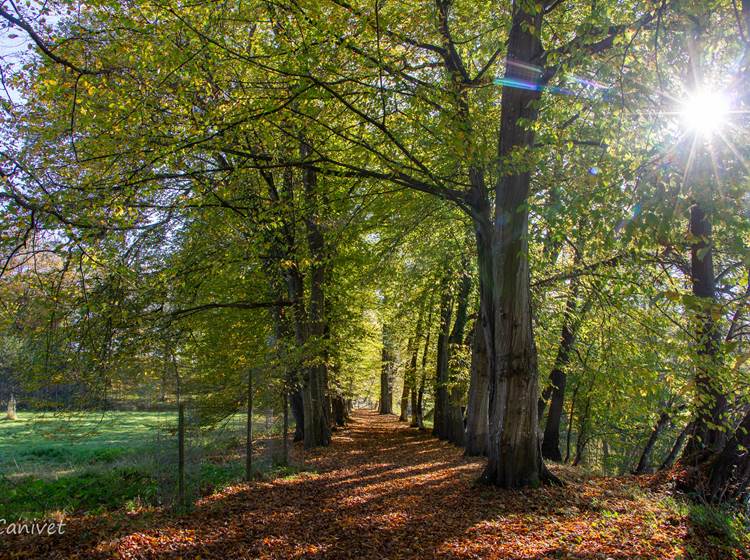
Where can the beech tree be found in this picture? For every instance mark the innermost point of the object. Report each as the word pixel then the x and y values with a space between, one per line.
pixel 294 182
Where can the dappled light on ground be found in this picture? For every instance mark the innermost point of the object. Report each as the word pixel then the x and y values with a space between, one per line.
pixel 383 490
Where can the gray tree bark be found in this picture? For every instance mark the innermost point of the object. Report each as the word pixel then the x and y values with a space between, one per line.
pixel 477 419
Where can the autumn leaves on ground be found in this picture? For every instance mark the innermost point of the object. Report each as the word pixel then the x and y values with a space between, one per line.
pixel 383 490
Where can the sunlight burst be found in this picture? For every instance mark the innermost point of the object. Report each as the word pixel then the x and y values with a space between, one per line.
pixel 705 112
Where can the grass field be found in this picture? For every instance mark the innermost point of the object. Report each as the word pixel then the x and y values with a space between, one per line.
pixel 92 462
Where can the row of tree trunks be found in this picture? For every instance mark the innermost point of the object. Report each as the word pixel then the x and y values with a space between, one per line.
pixel 387 372
pixel 307 384
pixel 410 377
pixel 453 423
pixel 441 372
pixel 403 415
pixel 418 409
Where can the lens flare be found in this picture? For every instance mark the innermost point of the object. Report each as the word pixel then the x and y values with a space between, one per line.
pixel 705 112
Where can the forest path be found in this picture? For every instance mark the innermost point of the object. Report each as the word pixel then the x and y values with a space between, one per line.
pixel 384 490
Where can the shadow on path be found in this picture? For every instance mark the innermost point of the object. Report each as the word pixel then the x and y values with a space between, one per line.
pixel 383 490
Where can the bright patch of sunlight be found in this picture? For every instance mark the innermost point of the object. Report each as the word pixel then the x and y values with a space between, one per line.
pixel 705 112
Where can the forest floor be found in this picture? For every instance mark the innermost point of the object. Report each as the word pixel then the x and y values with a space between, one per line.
pixel 383 490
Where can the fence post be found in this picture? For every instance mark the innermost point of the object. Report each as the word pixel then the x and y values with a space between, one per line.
pixel 11 414
pixel 286 427
pixel 249 441
pixel 181 454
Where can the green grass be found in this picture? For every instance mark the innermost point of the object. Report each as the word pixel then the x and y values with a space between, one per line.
pixel 721 526
pixel 47 445
pixel 724 529
pixel 93 462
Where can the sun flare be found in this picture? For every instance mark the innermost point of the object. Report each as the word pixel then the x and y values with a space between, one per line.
pixel 705 112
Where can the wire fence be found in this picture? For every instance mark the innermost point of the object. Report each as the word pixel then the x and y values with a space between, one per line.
pixel 195 455
pixel 107 460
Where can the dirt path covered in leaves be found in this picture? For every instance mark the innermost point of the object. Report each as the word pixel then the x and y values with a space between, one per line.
pixel 383 490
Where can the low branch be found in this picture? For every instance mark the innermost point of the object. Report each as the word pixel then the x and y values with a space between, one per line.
pixel 582 271
pixel 182 313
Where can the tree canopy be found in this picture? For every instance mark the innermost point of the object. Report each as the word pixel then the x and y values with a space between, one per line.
pixel 527 220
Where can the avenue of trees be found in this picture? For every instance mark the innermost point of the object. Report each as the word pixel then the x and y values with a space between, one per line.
pixel 522 225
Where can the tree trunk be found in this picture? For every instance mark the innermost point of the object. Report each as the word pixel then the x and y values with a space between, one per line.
pixel 285 427
pixel 298 413
pixel 677 447
pixel 338 404
pixel 420 401
pixel 477 427
pixel 514 458
pixel 551 439
pixel 659 427
pixel 570 424
pixel 386 373
pixel 315 390
pixel 404 404
pixel 558 377
pixel 583 437
pixel 728 475
pixel 249 429
pixel 454 418
pixel 439 428
pixel 408 380
pixel 706 436
pixel 419 411
pixel 605 456
pixel 411 374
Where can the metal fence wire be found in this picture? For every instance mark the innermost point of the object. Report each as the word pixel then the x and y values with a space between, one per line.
pixel 214 453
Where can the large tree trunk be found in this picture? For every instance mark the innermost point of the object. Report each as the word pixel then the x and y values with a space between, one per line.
pixel 723 472
pixel 477 426
pixel 439 428
pixel 315 378
pixel 707 436
pixel 728 474
pixel 514 458
pixel 287 326
pixel 659 427
pixel 482 359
